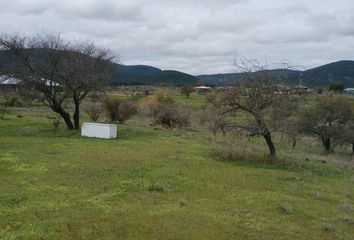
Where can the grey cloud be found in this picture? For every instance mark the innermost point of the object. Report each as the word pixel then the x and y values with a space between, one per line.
pixel 101 10
pixel 196 36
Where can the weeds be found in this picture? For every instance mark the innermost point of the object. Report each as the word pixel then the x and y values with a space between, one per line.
pixel 286 208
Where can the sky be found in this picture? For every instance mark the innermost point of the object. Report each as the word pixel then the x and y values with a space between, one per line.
pixel 196 36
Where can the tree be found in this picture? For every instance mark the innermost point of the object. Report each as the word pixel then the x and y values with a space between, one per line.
pixel 56 70
pixel 336 87
pixel 187 90
pixel 4 102
pixel 5 95
pixel 327 119
pixel 170 115
pixel 253 102
pixel 200 83
pixel 287 122
pixel 214 120
pixel 94 108
pixel 347 134
pixel 319 90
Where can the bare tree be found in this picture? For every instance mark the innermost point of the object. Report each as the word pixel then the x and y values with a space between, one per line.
pixel 214 120
pixel 3 104
pixel 56 70
pixel 252 102
pixel 5 95
pixel 187 90
pixel 286 119
pixel 94 108
pixel 327 120
pixel 347 134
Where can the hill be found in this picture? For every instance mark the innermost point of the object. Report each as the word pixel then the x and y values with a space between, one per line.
pixel 341 71
pixel 147 75
pixel 126 75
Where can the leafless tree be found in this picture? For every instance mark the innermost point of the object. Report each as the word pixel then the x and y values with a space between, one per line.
pixel 328 119
pixel 94 108
pixel 3 104
pixel 57 70
pixel 214 120
pixel 170 115
pixel 346 136
pixel 5 94
pixel 287 122
pixel 187 90
pixel 253 102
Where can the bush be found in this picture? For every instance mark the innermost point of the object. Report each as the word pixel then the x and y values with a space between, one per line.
pixel 127 109
pixel 319 90
pixel 240 152
pixel 187 90
pixel 56 122
pixel 336 87
pixel 156 188
pixel 111 105
pixel 119 110
pixel 94 110
pixel 286 208
pixel 16 101
pixel 170 115
pixel 163 97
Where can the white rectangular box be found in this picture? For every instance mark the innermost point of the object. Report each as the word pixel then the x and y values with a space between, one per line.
pixel 99 130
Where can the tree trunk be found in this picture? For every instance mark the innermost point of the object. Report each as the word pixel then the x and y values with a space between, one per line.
pixel 268 137
pixel 3 110
pixel 353 148
pixel 327 144
pixel 66 118
pixel 77 114
pixel 294 142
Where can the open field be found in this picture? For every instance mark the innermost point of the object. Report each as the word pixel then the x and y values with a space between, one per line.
pixel 153 183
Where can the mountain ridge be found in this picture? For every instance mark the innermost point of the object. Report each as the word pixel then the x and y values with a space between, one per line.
pixel 124 74
pixel 340 71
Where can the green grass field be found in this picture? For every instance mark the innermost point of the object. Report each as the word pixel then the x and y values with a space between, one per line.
pixel 153 183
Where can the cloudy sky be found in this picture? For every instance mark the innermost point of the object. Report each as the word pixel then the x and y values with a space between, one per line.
pixel 196 36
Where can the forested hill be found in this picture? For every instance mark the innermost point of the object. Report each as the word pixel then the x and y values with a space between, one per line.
pixel 147 75
pixel 127 75
pixel 341 71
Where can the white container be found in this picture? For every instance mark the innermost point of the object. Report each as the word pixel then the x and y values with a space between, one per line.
pixel 99 130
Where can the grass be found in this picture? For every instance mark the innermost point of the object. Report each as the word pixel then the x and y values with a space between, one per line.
pixel 152 183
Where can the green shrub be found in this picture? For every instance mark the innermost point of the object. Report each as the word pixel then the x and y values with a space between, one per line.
pixel 119 110
pixel 16 101
pixel 136 97
pixel 336 87
pixel 231 152
pixel 286 208
pixel 163 97
pixel 156 188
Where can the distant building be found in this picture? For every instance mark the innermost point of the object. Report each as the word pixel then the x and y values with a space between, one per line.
pixel 4 80
pixel 349 90
pixel 202 89
pixel 297 89
pixel 8 84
